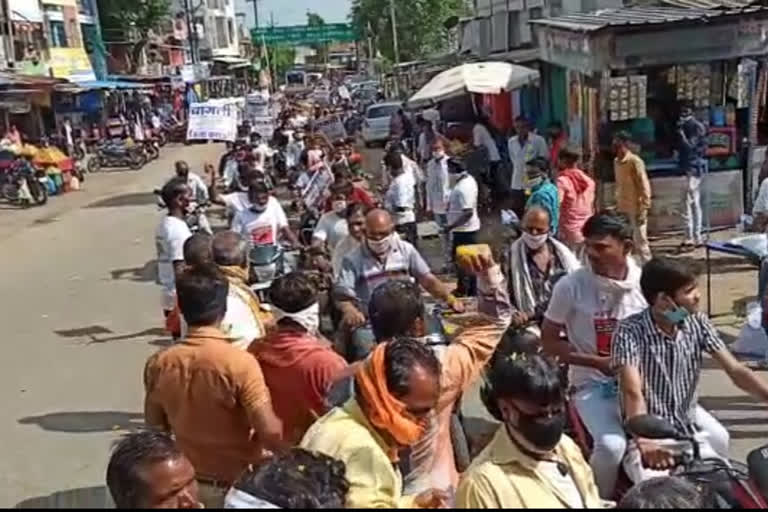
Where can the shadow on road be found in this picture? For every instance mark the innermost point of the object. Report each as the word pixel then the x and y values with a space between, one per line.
pixel 735 409
pixel 95 332
pixel 86 421
pixel 144 274
pixel 84 497
pixel 137 199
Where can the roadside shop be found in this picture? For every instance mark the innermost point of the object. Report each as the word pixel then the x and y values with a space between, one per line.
pixel 633 69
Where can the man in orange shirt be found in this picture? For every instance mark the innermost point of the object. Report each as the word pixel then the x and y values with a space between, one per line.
pixel 299 366
pixel 210 394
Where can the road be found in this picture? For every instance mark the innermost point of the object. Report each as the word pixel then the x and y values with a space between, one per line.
pixel 81 315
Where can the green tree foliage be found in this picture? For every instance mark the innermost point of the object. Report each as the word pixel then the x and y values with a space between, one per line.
pixel 281 59
pixel 138 16
pixel 420 29
pixel 321 49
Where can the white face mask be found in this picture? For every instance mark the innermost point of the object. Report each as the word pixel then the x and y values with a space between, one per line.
pixel 534 242
pixel 308 318
pixel 380 247
pixel 339 206
pixel 437 155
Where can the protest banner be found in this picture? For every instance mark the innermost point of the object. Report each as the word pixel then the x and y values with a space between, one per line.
pixel 344 93
pixel 331 127
pixel 264 126
pixel 314 192
pixel 213 120
pixel 256 105
pixel 322 96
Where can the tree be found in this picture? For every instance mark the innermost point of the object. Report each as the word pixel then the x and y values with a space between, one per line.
pixel 139 16
pixel 281 59
pixel 420 25
pixel 321 49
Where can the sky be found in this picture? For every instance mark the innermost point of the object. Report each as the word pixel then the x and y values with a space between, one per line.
pixel 294 12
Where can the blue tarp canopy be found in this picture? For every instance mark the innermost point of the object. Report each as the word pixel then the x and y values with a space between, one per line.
pixel 112 84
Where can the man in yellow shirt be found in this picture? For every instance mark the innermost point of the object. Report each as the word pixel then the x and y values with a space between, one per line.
pixel 396 389
pixel 633 193
pixel 529 463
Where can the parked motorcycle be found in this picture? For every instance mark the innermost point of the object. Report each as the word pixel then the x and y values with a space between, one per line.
pixel 151 149
pixel 22 186
pixel 117 154
pixel 175 132
pixel 734 485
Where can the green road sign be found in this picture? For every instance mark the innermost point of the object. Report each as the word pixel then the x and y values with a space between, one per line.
pixel 304 34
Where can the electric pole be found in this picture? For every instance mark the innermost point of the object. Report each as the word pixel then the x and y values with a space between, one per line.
pixel 191 32
pixel 395 47
pixel 255 12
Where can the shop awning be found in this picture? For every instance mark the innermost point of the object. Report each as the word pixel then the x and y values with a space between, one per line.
pixel 476 77
pixel 90 85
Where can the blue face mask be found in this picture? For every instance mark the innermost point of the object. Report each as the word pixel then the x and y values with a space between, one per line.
pixel 677 315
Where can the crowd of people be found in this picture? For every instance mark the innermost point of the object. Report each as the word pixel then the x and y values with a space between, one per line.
pixel 254 407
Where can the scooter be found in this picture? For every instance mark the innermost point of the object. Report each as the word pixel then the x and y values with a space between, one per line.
pixel 20 185
pixel 734 485
pixel 267 263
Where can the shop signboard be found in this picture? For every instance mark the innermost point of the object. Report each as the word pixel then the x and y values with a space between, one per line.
pixel 299 35
pixel 72 64
pixel 332 127
pixel 25 11
pixel 213 120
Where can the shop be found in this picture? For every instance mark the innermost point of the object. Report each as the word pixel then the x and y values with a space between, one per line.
pixel 633 70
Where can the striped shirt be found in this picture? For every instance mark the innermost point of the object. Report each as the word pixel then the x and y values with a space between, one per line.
pixel 669 366
pixel 361 272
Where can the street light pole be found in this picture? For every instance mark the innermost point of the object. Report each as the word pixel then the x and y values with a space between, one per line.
pixel 191 34
pixel 395 47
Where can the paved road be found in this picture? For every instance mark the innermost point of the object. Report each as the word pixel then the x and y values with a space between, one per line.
pixel 80 316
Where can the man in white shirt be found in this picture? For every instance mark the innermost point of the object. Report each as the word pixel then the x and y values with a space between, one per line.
pixel 482 138
pixel 260 151
pixel 524 147
pixel 400 198
pixel 170 236
pixel 265 221
pixel 588 304
pixel 199 193
pixel 331 228
pixel 463 221
pixel 438 192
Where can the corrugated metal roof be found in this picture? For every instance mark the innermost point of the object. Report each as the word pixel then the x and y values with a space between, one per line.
pixel 708 4
pixel 636 16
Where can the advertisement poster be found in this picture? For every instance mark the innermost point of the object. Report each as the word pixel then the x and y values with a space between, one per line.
pixel 213 120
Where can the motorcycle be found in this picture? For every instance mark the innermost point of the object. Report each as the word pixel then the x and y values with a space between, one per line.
pixel 267 263
pixel 20 185
pixel 733 484
pixel 117 154
pixel 151 149
pixel 175 132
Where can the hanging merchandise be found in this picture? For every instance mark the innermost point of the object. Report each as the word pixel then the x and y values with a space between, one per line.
pixel 627 97
pixel 694 84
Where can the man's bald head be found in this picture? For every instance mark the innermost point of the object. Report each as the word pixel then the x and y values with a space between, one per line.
pixel 536 220
pixel 378 224
pixel 229 248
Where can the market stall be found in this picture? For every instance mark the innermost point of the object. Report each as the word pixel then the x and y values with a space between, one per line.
pixel 633 69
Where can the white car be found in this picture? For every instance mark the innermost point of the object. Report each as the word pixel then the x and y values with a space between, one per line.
pixel 376 122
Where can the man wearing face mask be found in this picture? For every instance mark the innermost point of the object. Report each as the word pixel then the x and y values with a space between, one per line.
pixel 463 221
pixel 298 364
pixel 438 192
pixel 265 221
pixel 658 355
pixel 382 257
pixel 331 228
pixel 531 262
pixel 588 304
pixel 400 198
pixel 529 463
pixel 542 191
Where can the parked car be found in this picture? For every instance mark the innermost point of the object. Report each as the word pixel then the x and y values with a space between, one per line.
pixel 376 122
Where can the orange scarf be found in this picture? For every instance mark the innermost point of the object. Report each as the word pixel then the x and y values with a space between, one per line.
pixel 385 412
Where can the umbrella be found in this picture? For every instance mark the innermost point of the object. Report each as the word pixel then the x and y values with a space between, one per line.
pixel 476 77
